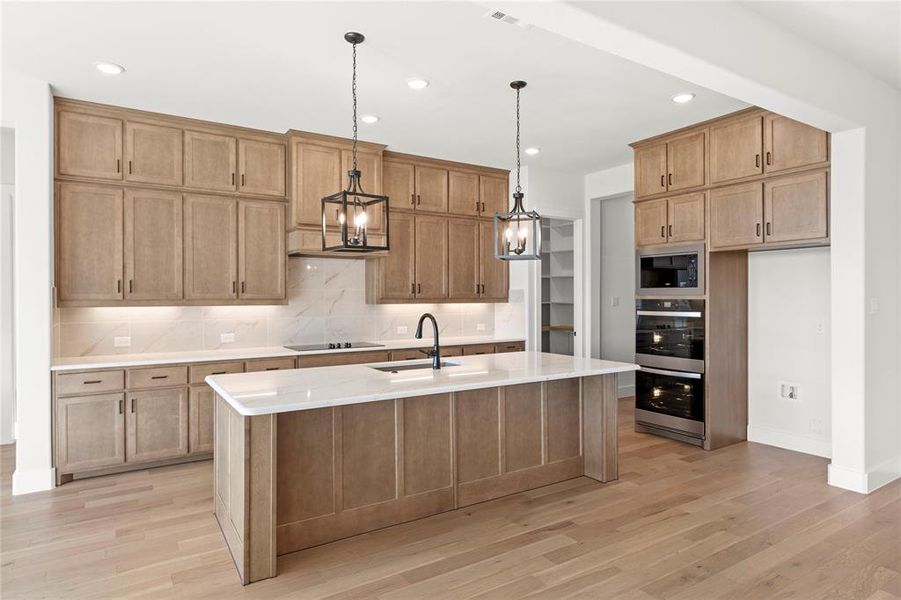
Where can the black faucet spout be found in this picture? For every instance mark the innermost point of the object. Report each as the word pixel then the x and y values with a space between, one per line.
pixel 435 352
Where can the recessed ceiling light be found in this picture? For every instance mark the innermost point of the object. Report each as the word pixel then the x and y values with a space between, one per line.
pixel 533 151
pixel 417 84
pixel 369 119
pixel 683 98
pixel 109 68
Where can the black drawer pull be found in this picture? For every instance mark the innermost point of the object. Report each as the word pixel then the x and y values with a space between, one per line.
pixel 159 377
pixel 272 368
pixel 93 381
pixel 218 373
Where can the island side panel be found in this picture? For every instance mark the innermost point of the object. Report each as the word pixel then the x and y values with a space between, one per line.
pixel 599 427
pixel 244 490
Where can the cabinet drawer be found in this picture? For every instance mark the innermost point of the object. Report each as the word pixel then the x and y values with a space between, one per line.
pixel 269 364
pixel 510 347
pixel 478 349
pixel 451 351
pixel 409 354
pixel 89 382
pixel 341 358
pixel 152 377
pixel 197 373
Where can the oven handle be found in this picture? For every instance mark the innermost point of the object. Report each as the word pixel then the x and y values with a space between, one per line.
pixel 681 374
pixel 668 313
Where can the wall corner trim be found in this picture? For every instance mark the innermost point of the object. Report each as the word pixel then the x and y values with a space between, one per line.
pixel 27 481
pixel 865 482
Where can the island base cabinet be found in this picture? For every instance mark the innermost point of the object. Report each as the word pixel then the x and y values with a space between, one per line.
pixel 299 479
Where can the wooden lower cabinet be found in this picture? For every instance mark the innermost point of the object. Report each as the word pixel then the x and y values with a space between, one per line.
pixel 90 432
pixel 201 404
pixel 156 424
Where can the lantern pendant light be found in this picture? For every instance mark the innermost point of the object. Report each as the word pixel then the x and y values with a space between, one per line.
pixel 517 233
pixel 360 219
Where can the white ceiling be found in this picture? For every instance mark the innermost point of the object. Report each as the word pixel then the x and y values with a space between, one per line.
pixel 866 34
pixel 280 65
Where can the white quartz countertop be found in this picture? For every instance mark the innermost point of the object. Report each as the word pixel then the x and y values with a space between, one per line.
pixel 112 361
pixel 270 392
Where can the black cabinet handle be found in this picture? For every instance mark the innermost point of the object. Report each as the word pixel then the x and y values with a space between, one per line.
pixel 132 405
pixel 483 207
pixel 242 179
pixel 92 382
pixel 663 181
pixel 758 230
pixel 159 377
pixel 769 158
pixel 477 288
pixel 418 288
pixel 669 179
pixel 757 160
pixel 418 200
pixel 412 199
pixel 118 166
pixel 670 231
pixel 118 286
pixel 412 288
pixel 131 286
pixel 233 179
pixel 243 286
pixel 234 289
pixel 129 168
pixel 218 373
pixel 769 228
pixel 121 406
pixel 271 369
pixel 483 288
pixel 663 231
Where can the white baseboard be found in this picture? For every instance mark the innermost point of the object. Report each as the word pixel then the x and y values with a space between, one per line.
pixel 865 482
pixel 625 390
pixel 26 481
pixel 789 440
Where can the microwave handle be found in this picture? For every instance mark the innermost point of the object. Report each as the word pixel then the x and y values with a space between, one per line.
pixel 680 374
pixel 668 313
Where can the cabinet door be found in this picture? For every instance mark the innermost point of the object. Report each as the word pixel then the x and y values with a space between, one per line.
pixel 153 154
pixel 261 250
pixel 89 242
pixel 370 166
pixel 90 432
pixel 153 245
pixel 431 257
pixel 650 170
pixel 156 425
pixel 463 262
pixel 463 193
pixel 493 272
pixel 736 216
pixel 211 248
pixel 650 222
pixel 493 195
pixel 431 189
pixel 685 218
pixel 318 172
pixel 201 403
pixel 796 207
pixel 209 161
pixel 685 162
pixel 789 144
pixel 261 166
pixel 735 149
pixel 89 146
pixel 397 270
pixel 399 184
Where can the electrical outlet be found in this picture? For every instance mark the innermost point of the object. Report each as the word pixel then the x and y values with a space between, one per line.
pixel 874 306
pixel 402 329
pixel 816 426
pixel 821 327
pixel 790 391
pixel 480 327
pixel 226 338
pixel 122 342
pixel 614 301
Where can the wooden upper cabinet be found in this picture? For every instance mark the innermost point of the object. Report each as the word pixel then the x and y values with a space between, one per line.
pixel 211 248
pixel 685 161
pixel 650 222
pixel 261 167
pixel 650 170
pixel 790 144
pixel 399 184
pixel 89 145
pixel 156 424
pixel 463 261
pixel 370 166
pixel 210 161
pixel 736 149
pixel 261 250
pixel 318 174
pixel 153 245
pixel 431 189
pixel 89 242
pixel 397 271
pixel 736 216
pixel 90 432
pixel 463 193
pixel 686 218
pixel 431 255
pixel 153 153
pixel 796 207
pixel 493 272
pixel 493 195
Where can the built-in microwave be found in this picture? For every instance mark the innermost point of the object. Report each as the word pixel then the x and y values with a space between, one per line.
pixel 671 271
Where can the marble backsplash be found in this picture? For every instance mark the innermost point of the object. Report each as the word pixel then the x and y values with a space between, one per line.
pixel 326 301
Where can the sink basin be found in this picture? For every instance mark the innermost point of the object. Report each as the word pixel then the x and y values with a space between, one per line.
pixel 414 367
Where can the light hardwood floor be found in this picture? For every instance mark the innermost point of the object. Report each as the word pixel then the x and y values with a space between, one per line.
pixel 747 521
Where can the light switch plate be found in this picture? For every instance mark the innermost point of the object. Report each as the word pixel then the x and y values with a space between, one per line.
pixel 402 329
pixel 122 342
pixel 226 338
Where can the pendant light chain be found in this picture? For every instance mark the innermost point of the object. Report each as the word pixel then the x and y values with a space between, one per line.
pixel 518 188
pixel 353 88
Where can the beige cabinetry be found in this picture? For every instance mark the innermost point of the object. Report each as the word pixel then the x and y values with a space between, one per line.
pixel 210 161
pixel 463 260
pixel 156 424
pixel 650 170
pixel 431 188
pixel 261 167
pixel 90 432
pixel 736 216
pixel 431 257
pixel 790 144
pixel 153 245
pixel 211 248
pixel 650 222
pixel 463 193
pixel 393 278
pixel 736 148
pixel 153 153
pixel 400 184
pixel 261 253
pixel 317 173
pixel 493 273
pixel 670 220
pixel 678 163
pixel 88 145
pixel 201 400
pixel 493 195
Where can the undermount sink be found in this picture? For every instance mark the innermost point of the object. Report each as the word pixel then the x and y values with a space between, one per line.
pixel 399 368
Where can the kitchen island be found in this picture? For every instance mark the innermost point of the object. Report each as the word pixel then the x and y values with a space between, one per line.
pixel 308 456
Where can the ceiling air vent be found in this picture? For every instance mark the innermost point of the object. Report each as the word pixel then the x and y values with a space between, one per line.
pixel 503 17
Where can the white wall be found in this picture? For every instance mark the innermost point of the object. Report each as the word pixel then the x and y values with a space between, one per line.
pixel 788 342
pixel 7 361
pixel 28 107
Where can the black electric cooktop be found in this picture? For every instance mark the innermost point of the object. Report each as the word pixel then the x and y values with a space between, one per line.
pixel 333 346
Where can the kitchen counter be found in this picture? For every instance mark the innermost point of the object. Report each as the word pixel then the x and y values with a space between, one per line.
pixel 77 363
pixel 271 392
